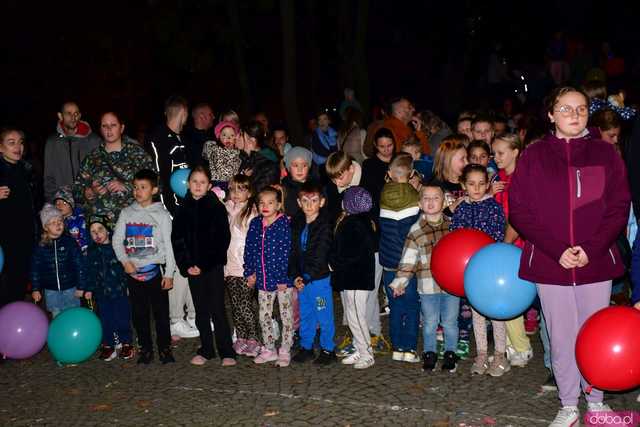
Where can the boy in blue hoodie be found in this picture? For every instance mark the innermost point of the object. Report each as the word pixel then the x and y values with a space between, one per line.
pixel 74 220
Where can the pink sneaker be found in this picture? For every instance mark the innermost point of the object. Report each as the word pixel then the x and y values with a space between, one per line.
pixel 252 348
pixel 265 356
pixel 531 321
pixel 239 344
pixel 284 358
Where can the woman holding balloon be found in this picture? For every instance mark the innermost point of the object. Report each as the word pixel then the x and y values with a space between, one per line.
pixel 569 198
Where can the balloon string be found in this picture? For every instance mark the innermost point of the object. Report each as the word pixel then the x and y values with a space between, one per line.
pixel 90 304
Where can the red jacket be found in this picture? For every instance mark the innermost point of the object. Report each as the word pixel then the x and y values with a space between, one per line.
pixel 569 193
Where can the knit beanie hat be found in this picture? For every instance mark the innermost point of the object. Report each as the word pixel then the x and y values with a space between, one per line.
pixel 65 193
pixel 356 200
pixel 222 125
pixel 48 213
pixel 297 153
pixel 99 219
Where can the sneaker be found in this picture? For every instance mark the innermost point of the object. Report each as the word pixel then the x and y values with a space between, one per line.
pixel 550 384
pixel 364 363
pixel 397 355
pixel 325 358
pixel 240 345
pixel 252 349
pixel 303 355
pixel 108 353
pixel 145 357
pixel 352 359
pixel 480 365
pixel 429 360
pixel 265 356
pixel 346 341
pixel 380 345
pixel 191 321
pixel 198 360
pixel 568 416
pixel 499 366
pixel 347 351
pixel 519 358
pixel 182 329
pixel 462 351
pixel 411 357
pixel 450 362
pixel 531 322
pixel 127 352
pixel 598 407
pixel 166 356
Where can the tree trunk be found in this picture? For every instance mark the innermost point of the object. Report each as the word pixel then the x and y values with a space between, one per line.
pixel 289 82
pixel 246 106
pixel 361 80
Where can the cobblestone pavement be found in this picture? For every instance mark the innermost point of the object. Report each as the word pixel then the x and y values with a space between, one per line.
pixel 38 392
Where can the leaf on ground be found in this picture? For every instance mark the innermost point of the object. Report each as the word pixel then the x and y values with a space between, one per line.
pixel 72 392
pixel 441 423
pixel 142 404
pixel 100 407
pixel 271 413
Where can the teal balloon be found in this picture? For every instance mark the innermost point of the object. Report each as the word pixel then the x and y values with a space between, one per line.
pixel 492 285
pixel 179 181
pixel 74 335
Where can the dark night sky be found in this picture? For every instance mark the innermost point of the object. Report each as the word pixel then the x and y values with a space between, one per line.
pixel 130 55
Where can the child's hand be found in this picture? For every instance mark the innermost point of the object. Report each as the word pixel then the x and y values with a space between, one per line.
pixel 36 295
pixel 637 305
pixel 251 280
pixel 167 283
pixel 129 268
pixel 497 187
pixel 299 283
pixel 398 292
pixel 194 271
pixel 78 293
pixel 416 182
pixel 583 258
pixel 4 192
pixel 88 295
pixel 282 287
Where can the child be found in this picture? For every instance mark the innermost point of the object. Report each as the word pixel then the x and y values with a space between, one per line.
pixel 200 238
pixel 344 172
pixel 74 220
pixel 352 260
pixel 438 307
pixel 298 163
pixel 142 243
pixel 480 211
pixel 223 157
pixel 266 258
pixel 398 212
pixel 57 266
pixel 480 154
pixel 108 285
pixel 422 163
pixel 311 241
pixel 241 210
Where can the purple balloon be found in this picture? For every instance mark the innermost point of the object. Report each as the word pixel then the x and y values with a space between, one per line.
pixel 23 330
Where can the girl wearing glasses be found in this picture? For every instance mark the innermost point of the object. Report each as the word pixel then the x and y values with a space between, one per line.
pixel 569 199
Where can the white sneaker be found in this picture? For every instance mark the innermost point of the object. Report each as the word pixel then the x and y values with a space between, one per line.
pixel 182 329
pixel 351 359
pixel 520 358
pixel 192 322
pixel 411 357
pixel 598 407
pixel 398 356
pixel 364 363
pixel 568 416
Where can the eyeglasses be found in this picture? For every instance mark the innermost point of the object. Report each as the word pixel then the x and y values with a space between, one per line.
pixel 569 111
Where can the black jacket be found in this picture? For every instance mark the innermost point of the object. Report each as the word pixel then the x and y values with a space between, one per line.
pixel 352 255
pixel 291 189
pixel 633 167
pixel 200 234
pixel 18 212
pixel 264 172
pixel 310 263
pixel 197 138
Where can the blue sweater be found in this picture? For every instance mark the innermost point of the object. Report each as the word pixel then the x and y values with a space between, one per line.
pixel 58 265
pixel 76 225
pixel 266 253
pixel 485 215
pixel 108 279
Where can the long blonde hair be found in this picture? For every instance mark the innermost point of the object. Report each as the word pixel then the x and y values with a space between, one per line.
pixel 444 155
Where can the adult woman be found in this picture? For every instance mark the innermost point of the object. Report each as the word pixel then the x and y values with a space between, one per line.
pixel 351 135
pixel 569 199
pixel 259 162
pixel 104 183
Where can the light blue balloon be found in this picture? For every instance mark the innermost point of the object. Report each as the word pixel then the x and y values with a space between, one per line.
pixel 492 285
pixel 74 335
pixel 1 259
pixel 179 181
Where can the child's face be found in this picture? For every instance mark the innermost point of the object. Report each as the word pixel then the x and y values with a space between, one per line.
pixel 478 156
pixel 385 147
pixel 239 194
pixel 64 207
pixel 504 156
pixel 99 234
pixel 345 177
pixel 55 227
pixel 413 151
pixel 12 147
pixel 199 185
pixel 228 137
pixel 143 191
pixel 483 131
pixel 476 186
pixel 323 122
pixel 310 204
pixel 431 200
pixel 299 169
pixel 458 162
pixel 269 205
pixel 464 127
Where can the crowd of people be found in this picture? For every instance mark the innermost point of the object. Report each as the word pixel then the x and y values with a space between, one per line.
pixel 347 210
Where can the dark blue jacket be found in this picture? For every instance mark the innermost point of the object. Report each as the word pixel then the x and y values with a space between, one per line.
pixel 486 215
pixel 398 212
pixel 108 279
pixel 266 253
pixel 58 265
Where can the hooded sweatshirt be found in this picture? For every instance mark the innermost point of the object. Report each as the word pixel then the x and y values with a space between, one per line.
pixel 143 237
pixel 63 155
pixel 398 212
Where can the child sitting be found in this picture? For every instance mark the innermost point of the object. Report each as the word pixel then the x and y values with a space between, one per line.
pixel 108 285
pixel 311 241
pixel 57 265
pixel 142 243
pixel 74 220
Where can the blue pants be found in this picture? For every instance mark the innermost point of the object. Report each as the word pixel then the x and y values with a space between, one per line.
pixel 440 309
pixel 316 308
pixel 635 268
pixel 403 318
pixel 115 315
pixel 57 301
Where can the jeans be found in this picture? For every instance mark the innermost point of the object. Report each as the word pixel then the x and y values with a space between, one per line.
pixel 441 309
pixel 403 319
pixel 57 301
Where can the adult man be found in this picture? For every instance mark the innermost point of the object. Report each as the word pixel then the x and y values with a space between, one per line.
pixel 199 133
pixel 482 128
pixel 170 153
pixel 65 150
pixel 398 123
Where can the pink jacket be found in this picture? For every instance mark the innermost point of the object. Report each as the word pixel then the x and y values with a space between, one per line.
pixel 235 253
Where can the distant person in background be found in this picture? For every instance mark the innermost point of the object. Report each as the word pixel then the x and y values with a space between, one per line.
pixel 398 122
pixel 349 101
pixel 482 128
pixel 200 132
pixel 65 150
pixel 261 117
pixel 464 126
pixel 352 135
pixel 434 127
pixel 280 138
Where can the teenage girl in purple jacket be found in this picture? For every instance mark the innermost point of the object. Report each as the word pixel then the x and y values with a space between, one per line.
pixel 569 199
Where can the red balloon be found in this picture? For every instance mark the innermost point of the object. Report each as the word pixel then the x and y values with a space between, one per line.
pixel 608 349
pixel 451 255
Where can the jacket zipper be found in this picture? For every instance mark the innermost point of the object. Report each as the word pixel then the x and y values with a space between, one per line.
pixel 533 248
pixel 612 257
pixel 55 255
pixel 264 274
pixel 571 236
pixel 579 190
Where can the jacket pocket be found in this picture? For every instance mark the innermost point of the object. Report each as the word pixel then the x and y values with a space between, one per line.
pixel 590 182
pixel 613 258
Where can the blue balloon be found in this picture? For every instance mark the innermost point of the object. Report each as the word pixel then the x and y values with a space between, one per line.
pixel 179 180
pixel 492 285
pixel 1 259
